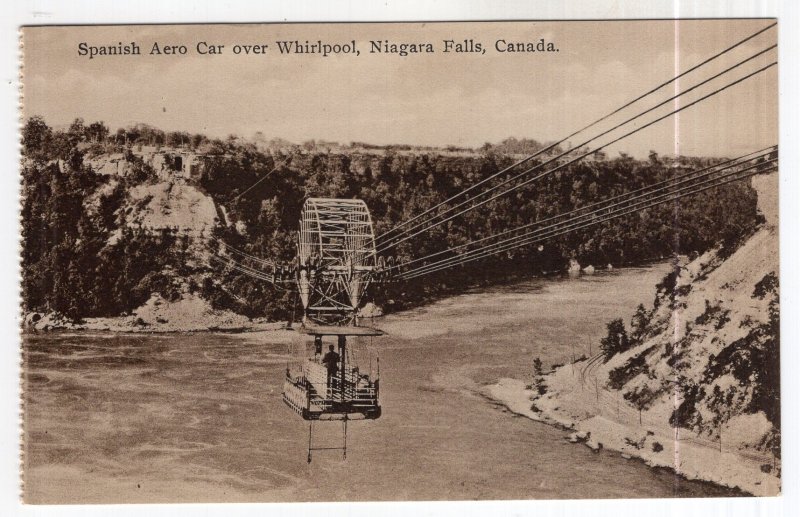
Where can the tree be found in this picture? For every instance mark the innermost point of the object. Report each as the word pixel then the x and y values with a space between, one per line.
pixel 538 377
pixel 396 185
pixel 97 132
pixel 36 136
pixel 537 367
pixel 197 139
pixel 173 139
pixel 77 131
pixel 132 135
pixel 616 340
pixel 639 323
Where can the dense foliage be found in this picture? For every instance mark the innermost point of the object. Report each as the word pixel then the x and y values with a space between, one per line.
pixel 753 360
pixel 71 265
pixel 616 340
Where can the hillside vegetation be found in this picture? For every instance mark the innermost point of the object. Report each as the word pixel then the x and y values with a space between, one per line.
pixel 106 226
pixel 693 382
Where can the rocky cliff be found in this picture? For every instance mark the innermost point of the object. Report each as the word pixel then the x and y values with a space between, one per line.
pixel 696 386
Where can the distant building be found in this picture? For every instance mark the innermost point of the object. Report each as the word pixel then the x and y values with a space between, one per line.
pixel 169 163
pixel 192 166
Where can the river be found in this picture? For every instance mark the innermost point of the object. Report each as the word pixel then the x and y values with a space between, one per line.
pixel 199 417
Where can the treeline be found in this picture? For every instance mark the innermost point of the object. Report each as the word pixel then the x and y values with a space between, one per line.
pixel 78 258
pixel 520 146
pixel 263 217
pixel 397 186
pixel 100 135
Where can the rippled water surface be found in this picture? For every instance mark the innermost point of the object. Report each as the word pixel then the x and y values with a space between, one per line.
pixel 160 418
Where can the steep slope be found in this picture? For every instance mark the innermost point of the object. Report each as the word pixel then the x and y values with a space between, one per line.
pixel 709 356
pixel 698 389
pixel 171 205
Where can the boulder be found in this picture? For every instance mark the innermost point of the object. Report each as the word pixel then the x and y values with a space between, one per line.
pixel 370 310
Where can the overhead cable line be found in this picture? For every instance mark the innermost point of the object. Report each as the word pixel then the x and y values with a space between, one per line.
pixel 627 196
pixel 580 221
pixel 588 126
pixel 386 246
pixel 242 268
pixel 265 176
pixel 253 273
pixel 229 248
pixel 584 221
pixel 561 166
pixel 557 232
pixel 551 146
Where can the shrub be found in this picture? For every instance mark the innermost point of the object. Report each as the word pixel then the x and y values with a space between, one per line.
pixel 641 398
pixel 639 323
pixel 619 376
pixel 714 313
pixel 768 284
pixel 616 340
pixel 538 377
pixel 686 414
pixel 668 283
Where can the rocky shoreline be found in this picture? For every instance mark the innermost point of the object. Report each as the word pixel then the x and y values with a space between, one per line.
pixel 189 314
pixel 689 459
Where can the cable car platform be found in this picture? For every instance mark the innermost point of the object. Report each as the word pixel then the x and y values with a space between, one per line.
pixel 316 392
pixel 333 330
pixel 311 395
pixel 332 387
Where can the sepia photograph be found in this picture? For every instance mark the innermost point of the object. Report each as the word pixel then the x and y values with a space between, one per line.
pixel 417 261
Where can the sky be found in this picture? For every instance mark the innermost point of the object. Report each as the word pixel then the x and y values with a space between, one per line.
pixel 463 99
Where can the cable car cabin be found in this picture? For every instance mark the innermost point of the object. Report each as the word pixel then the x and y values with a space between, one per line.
pixel 329 385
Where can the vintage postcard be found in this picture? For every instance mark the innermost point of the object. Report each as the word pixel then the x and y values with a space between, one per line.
pixel 400 261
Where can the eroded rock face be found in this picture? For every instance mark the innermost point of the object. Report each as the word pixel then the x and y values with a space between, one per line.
pixel 189 313
pixel 767 187
pixel 703 364
pixel 110 165
pixel 37 321
pixel 171 205
pixel 167 163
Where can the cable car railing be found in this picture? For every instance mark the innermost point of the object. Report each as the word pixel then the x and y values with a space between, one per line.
pixel 311 393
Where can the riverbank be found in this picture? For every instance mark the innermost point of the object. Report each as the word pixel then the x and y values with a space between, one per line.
pixel 694 386
pixel 590 418
pixel 500 317
pixel 198 416
pixel 190 313
pixel 576 399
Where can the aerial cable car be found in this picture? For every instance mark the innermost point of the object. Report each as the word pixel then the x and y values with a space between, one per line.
pixel 331 387
pixel 336 265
